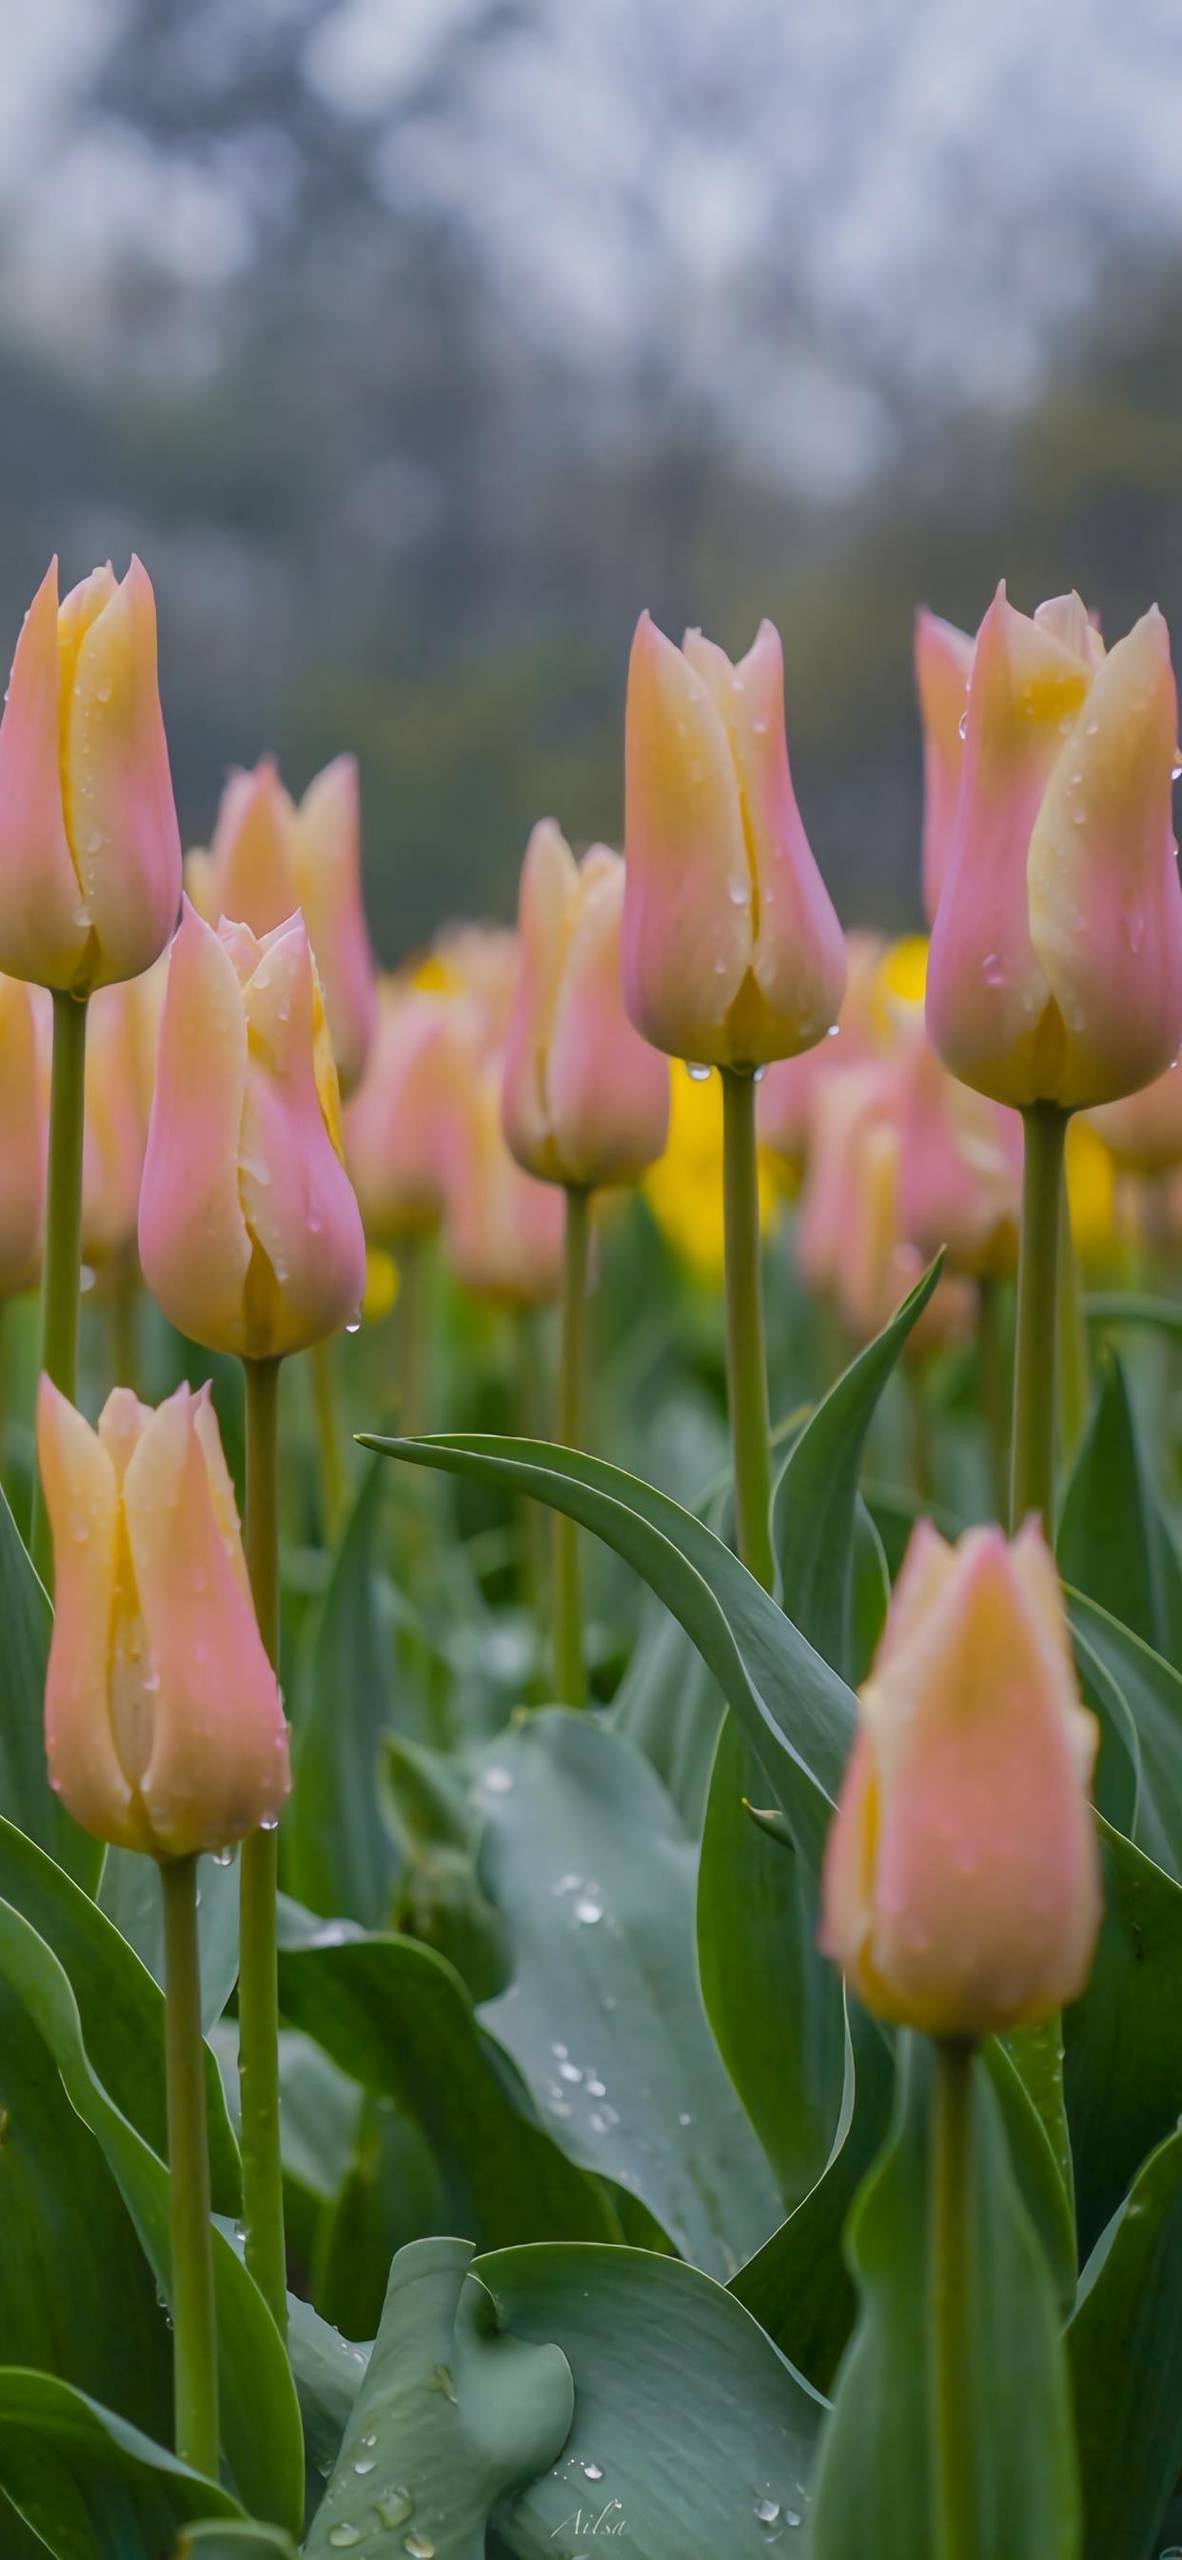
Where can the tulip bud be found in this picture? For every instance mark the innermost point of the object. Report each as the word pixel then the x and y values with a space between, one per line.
pixel 24 1056
pixel 586 1100
pixel 120 1073
pixel 961 1889
pixel 269 857
pixel 1144 1131
pixel 943 665
pixel 163 1724
pixel 732 953
pixel 90 857
pixel 1056 960
pixel 394 1124
pixel 250 1236
pixel 503 1232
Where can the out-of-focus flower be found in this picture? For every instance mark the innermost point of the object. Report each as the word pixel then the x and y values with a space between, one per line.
pixel 732 954
pixel 269 856
pixel 120 1073
pixel 852 1244
pixel 90 855
pixel 163 1723
pixel 1144 1131
pixel 478 962
pixel 585 1099
pixel 394 1123
pixel 864 1029
pixel 24 1058
pixel 684 1187
pixel 943 665
pixel 961 1885
pixel 250 1235
pixel 1056 959
pixel 503 1230
pixel 960 1163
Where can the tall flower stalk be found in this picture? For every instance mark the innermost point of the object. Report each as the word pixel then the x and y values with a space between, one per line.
pixel 194 2312
pixel 1036 1353
pixel 746 1356
pixel 570 1665
pixel 258 1984
pixel 61 1275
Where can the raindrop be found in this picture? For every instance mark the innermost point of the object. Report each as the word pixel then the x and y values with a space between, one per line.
pixel 768 2510
pixel 498 1782
pixel 962 731
pixel 834 1031
pixel 697 1074
pixel 354 1324
pixel 592 2471
pixel 344 2537
pixel 992 970
pixel 419 2547
pixel 362 2469
pixel 588 1912
pixel 223 1857
pixel 394 2506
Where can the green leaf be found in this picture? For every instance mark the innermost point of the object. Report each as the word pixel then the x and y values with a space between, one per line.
pixel 1150 1693
pixel 88 2484
pixel 454 2412
pixel 235 2542
pixel 797 1713
pixel 1114 1541
pixel 130 1896
pixel 1125 2345
pixel 874 2489
pixel 594 1878
pixel 398 2020
pixel 692 2434
pixel 1162 1315
pixel 338 1856
pixel 1123 2064
pixel 26 1797
pixel 259 2412
pixel 670 1706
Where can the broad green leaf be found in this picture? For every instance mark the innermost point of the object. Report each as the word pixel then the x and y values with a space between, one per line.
pixel 692 2434
pixel 338 1856
pixel 88 2484
pixel 594 1878
pixel 398 2020
pixel 1125 2345
pixel 869 1596
pixel 1123 2065
pixel 874 2486
pixel 454 2412
pixel 130 1896
pixel 392 2192
pixel 1107 1307
pixel 26 1797
pixel 328 2371
pixel 1114 1541
pixel 261 2428
pixel 235 2542
pixel 670 1706
pixel 1151 1692
pixel 797 1713
pixel 432 1803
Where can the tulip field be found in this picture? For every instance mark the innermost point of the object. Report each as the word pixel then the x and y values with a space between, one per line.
pixel 591 1705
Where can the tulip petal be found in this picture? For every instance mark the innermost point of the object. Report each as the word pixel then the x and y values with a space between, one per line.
pixel 120 811
pixel 297 1198
pixel 44 924
pixel 195 1247
pixel 607 1089
pixel 1105 898
pixel 395 1123
pixel 943 666
pixel 253 850
pixel 328 880
pixel 22 1138
pixel 548 901
pixel 82 1500
pixel 688 937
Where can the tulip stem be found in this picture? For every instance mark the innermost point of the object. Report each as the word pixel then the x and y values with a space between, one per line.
pixel 123 1327
pixel 570 1668
pixel 994 1389
pixel 194 2311
pixel 410 1317
pixel 61 1271
pixel 331 1467
pixel 1032 1476
pixel 746 1357
pixel 258 1984
pixel 954 2465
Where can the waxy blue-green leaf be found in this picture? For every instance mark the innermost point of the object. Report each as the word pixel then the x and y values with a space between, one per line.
pixel 1114 1542
pixel 1123 2064
pixel 874 2486
pixel 26 1797
pixel 453 2413
pixel 396 2018
pixel 1125 2346
pixel 338 1856
pixel 692 2435
pixel 594 1878
pixel 89 2485
pixel 130 1895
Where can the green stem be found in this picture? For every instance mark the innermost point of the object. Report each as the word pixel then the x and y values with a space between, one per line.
pixel 994 1387
pixel 123 1327
pixel 1032 1465
pixel 954 2466
pixel 194 2313
pixel 63 1228
pixel 1074 1377
pixel 258 1988
pixel 746 1358
pixel 570 1669
pixel 330 1456
pixel 411 1318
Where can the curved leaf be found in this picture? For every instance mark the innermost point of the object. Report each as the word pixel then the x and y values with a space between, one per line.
pixel 26 1797
pixel 1152 1695
pixel 1125 2345
pixel 337 1852
pixel 1114 1541
pixel 1123 2062
pixel 87 2483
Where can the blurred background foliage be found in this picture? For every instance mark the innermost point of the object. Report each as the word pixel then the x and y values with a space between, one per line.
pixel 418 345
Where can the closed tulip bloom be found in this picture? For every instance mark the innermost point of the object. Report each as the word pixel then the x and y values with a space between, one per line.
pixel 120 1073
pixel 90 857
pixel 961 1886
pixel 586 1100
pixel 250 1235
pixel 503 1231
pixel 943 665
pixel 1144 1131
pixel 1056 959
pixel 163 1724
pixel 269 856
pixel 732 953
pixel 24 1058
pixel 393 1124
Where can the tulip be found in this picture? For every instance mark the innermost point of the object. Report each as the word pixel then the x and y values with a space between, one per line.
pixel 479 962
pixel 961 1887
pixel 23 1042
pixel 90 858
pixel 586 1100
pixel 163 1724
pixel 853 1245
pixel 250 1235
pixel 1056 960
pixel 732 953
pixel 960 1164
pixel 393 1126
pixel 943 665
pixel 120 1072
pixel 503 1231
pixel 1144 1130
pixel 268 857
